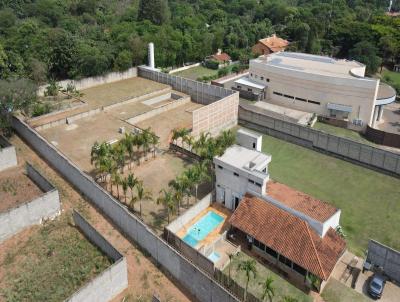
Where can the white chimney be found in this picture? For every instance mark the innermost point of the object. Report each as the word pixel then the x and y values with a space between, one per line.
pixel 151 55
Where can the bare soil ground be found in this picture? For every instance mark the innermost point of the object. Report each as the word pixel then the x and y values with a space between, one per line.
pixel 145 278
pixel 156 173
pixel 163 123
pixel 105 95
pixel 16 188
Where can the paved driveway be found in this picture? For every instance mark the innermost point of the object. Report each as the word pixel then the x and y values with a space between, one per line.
pixel 391 293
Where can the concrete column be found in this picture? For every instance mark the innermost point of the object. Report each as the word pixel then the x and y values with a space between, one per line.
pixel 380 112
pixel 374 119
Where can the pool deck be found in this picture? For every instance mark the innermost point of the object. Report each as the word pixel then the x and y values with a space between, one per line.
pixel 214 234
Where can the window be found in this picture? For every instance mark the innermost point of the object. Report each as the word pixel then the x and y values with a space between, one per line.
pixel 251 74
pixel 299 269
pixel 249 89
pixel 256 243
pixel 220 167
pixel 313 102
pixel 254 145
pixel 238 86
pixel 278 93
pixel 234 173
pixel 267 80
pixel 288 96
pixel 264 170
pixel 262 78
pixel 271 252
pixel 301 99
pixel 251 181
pixel 258 184
pixel 285 261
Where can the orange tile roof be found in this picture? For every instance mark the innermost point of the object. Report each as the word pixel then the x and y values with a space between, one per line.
pixel 274 43
pixel 288 235
pixel 222 57
pixel 299 201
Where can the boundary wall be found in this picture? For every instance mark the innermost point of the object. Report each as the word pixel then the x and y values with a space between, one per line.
pixel 221 105
pixel 94 81
pixel 344 148
pixel 382 137
pixel 184 68
pixel 8 156
pixel 197 282
pixel 46 206
pixel 385 257
pixel 110 282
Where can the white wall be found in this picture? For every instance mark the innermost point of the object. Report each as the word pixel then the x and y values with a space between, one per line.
pixel 94 81
pixel 8 158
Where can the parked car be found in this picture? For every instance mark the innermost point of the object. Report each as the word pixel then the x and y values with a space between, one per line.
pixel 376 286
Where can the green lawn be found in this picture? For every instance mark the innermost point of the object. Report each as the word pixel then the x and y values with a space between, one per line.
pixel 196 72
pixel 335 291
pixel 51 265
pixel 282 287
pixel 370 201
pixel 342 132
pixel 393 76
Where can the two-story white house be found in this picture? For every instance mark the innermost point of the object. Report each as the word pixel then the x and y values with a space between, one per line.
pixel 242 168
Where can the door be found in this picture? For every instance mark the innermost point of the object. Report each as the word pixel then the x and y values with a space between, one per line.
pixel 237 200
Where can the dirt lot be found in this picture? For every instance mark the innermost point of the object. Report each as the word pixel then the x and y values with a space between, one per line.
pixel 104 95
pixel 16 188
pixel 163 123
pixel 145 278
pixel 149 172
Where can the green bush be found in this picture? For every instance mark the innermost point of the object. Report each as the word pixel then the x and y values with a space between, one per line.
pixel 40 109
pixel 211 64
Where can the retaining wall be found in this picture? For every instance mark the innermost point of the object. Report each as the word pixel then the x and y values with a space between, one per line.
pixel 8 156
pixel 221 105
pixel 46 206
pixel 196 281
pixel 94 81
pixel 110 282
pixel 385 257
pixel 149 114
pixel 344 148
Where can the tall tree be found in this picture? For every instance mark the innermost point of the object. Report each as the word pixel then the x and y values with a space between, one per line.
pixel 365 52
pixel 268 290
pixel 155 11
pixel 249 268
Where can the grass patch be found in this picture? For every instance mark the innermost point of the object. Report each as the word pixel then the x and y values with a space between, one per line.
pixel 51 265
pixel 394 77
pixel 196 72
pixel 369 200
pixel 342 132
pixel 282 287
pixel 335 291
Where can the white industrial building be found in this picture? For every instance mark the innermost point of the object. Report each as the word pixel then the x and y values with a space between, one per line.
pixel 328 87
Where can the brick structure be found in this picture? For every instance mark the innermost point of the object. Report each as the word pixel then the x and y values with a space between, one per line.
pixel 269 45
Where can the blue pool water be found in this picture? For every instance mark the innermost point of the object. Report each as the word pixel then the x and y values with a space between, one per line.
pixel 214 257
pixel 202 228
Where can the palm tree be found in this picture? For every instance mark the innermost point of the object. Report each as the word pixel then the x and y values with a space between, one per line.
pixel 110 168
pixel 188 178
pixel 137 141
pixel 201 142
pixel 119 155
pixel 179 189
pixel 132 182
pixel 226 139
pixel 230 256
pixel 98 153
pixel 116 180
pixel 249 267
pixel 124 184
pixel 167 200
pixel 146 139
pixel 175 135
pixel 142 194
pixel 268 290
pixel 128 142
pixel 289 299
pixel 189 140
pixel 154 141
pixel 201 172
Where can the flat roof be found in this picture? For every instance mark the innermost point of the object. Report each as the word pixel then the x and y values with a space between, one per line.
pixel 250 133
pixel 246 81
pixel 310 63
pixel 243 158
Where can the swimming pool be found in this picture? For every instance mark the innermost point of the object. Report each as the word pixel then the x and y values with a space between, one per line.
pixel 214 257
pixel 202 228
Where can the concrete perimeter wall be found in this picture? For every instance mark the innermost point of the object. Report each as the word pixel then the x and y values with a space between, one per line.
pixel 183 219
pixel 46 206
pixel 8 156
pixel 386 257
pixel 110 282
pixel 94 81
pixel 221 105
pixel 347 149
pixel 197 282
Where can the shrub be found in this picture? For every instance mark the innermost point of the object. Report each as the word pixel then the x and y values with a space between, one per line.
pixel 211 64
pixel 40 109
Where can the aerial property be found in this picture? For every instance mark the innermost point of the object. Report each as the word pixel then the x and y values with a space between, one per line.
pixel 326 86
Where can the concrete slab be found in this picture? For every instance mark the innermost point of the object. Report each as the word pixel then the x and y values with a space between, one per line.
pixel 292 115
